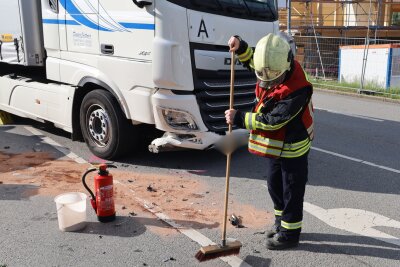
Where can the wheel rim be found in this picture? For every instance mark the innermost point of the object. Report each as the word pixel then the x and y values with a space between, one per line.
pixel 98 125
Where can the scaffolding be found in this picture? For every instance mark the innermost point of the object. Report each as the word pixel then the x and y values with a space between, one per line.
pixel 320 28
pixel 347 18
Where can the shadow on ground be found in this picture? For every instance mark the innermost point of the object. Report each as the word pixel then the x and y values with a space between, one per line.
pixel 257 261
pixel 20 151
pixel 17 191
pixel 127 226
pixel 348 245
pixel 123 226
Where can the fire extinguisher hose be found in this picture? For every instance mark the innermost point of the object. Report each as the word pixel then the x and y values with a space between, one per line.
pixel 84 182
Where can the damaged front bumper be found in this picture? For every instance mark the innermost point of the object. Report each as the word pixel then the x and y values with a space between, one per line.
pixel 200 141
pixel 178 115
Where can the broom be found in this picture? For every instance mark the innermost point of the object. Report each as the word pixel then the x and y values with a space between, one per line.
pixel 226 248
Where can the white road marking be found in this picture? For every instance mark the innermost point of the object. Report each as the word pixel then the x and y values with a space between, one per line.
pixel 49 141
pixel 194 235
pixel 356 160
pixel 356 221
pixel 349 114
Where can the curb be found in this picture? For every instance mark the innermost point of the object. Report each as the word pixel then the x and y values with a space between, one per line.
pixel 376 98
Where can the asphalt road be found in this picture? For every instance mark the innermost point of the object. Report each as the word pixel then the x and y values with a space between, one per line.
pixel 351 213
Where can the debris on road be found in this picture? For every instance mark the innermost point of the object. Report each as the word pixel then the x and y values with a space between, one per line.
pixel 197 171
pixel 170 259
pixel 54 176
pixel 234 220
pixel 197 195
pixel 151 189
pixel 94 160
pixel 259 233
pixel 147 206
pixel 120 223
pixel 130 181
pixel 6 147
pixel 37 148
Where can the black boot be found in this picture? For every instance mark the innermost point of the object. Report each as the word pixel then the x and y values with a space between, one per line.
pixel 280 241
pixel 274 229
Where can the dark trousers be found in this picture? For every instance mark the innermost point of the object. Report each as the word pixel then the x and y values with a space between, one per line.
pixel 287 178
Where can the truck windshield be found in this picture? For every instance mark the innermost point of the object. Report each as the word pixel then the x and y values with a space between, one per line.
pixel 264 10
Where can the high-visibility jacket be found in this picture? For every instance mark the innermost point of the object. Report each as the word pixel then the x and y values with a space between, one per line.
pixel 281 123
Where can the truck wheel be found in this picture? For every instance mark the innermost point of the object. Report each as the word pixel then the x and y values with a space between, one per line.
pixel 104 126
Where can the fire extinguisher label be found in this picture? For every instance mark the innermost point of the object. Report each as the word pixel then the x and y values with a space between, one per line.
pixel 106 200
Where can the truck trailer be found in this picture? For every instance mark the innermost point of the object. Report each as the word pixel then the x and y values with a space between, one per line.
pixel 99 69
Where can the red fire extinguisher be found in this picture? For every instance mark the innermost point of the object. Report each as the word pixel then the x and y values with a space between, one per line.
pixel 103 202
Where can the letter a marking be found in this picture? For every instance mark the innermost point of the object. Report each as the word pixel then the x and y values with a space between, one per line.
pixel 202 29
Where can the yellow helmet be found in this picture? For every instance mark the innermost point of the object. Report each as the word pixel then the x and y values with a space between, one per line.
pixel 271 57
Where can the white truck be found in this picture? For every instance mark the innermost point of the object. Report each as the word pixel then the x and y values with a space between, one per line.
pixel 100 68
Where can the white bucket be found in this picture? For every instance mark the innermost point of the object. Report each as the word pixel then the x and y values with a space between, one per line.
pixel 71 211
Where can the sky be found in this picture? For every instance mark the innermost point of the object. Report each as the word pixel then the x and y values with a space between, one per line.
pixel 9 17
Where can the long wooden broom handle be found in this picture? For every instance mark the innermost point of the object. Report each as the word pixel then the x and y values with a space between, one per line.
pixel 232 85
pixel 228 156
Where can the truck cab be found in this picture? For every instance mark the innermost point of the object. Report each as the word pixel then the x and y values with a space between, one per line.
pixel 116 64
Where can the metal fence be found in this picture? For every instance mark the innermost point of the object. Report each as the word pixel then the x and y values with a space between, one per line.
pixel 320 55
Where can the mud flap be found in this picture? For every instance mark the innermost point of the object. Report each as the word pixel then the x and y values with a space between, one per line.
pixel 5 118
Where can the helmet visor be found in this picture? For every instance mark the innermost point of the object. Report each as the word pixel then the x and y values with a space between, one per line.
pixel 268 75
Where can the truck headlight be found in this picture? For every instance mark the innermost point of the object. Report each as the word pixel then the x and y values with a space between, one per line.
pixel 178 119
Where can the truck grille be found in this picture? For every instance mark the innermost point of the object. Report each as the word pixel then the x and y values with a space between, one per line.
pixel 212 86
pixel 213 99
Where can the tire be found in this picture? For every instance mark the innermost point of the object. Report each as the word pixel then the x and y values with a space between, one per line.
pixel 105 128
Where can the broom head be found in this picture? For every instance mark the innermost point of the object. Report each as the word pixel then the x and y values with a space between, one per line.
pixel 216 251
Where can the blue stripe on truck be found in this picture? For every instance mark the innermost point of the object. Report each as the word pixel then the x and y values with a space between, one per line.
pixel 141 26
pixel 60 21
pixel 128 25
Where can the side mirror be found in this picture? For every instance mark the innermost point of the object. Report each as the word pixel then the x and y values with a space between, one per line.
pixel 142 4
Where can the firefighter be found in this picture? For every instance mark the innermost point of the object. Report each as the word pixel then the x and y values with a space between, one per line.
pixel 281 130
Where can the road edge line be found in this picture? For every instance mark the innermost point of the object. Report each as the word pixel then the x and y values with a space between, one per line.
pixel 57 146
pixel 356 160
